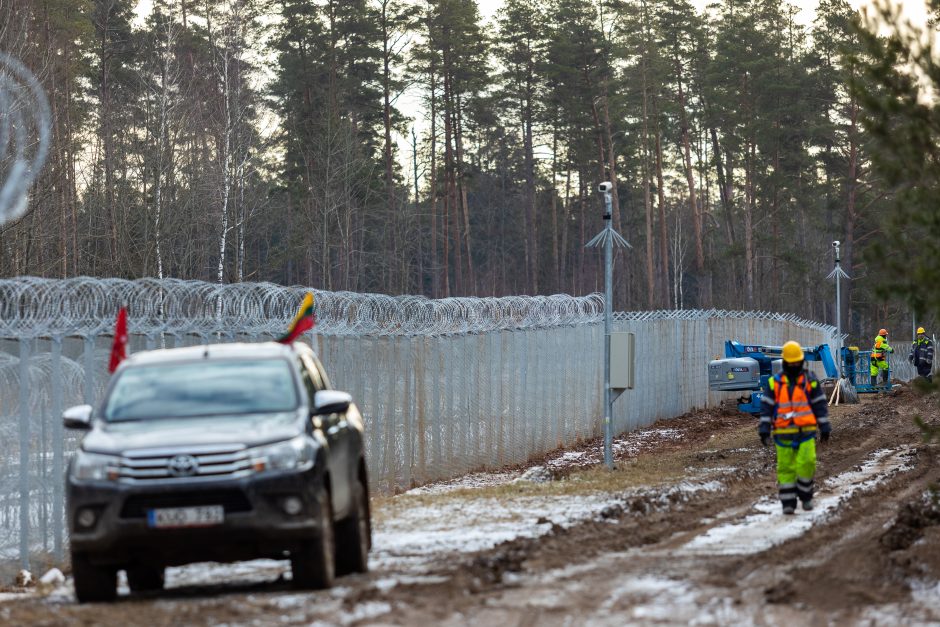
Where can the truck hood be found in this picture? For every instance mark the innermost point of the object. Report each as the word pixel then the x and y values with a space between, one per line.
pixel 249 429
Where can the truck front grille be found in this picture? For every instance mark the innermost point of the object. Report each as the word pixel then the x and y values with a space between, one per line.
pixel 215 462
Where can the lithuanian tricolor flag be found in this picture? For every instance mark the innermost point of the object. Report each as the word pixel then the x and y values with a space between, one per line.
pixel 303 321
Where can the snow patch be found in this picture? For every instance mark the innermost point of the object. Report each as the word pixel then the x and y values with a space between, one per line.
pixel 384 585
pixel 473 481
pixel 15 596
pixel 365 611
pixel 203 573
pixel 535 474
pixel 53 576
pixel 926 593
pixel 768 527
pixel 570 458
pixel 422 533
pixel 418 536
pixel 291 601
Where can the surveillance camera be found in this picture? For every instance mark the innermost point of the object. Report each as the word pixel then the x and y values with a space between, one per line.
pixel 605 187
pixel 835 244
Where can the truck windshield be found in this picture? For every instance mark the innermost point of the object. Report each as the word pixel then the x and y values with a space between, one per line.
pixel 202 389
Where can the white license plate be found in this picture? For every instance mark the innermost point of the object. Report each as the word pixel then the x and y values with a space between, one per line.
pixel 203 516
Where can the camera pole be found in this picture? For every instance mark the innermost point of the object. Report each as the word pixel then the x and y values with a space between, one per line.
pixel 608 237
pixel 838 273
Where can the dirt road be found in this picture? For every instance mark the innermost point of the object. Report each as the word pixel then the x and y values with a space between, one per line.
pixel 686 531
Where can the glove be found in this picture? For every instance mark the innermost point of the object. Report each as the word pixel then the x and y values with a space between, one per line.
pixel 824 436
pixel 765 439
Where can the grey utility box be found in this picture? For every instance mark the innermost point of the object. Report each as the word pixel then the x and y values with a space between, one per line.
pixel 728 375
pixel 622 361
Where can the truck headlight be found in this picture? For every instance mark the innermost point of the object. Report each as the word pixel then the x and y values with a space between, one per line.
pixel 296 454
pixel 94 467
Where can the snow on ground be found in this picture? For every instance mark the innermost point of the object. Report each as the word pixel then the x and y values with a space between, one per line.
pixel 15 596
pixel 629 598
pixel 768 527
pixel 922 609
pixel 624 446
pixel 467 482
pixel 254 571
pixel 651 599
pixel 423 533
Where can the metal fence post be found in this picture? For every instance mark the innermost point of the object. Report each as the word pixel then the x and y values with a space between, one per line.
pixel 25 392
pixel 406 365
pixel 88 357
pixel 58 451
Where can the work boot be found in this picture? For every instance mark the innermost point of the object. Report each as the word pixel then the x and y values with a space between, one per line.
pixel 807 505
pixel 789 510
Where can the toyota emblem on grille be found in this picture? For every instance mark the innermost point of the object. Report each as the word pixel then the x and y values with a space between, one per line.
pixel 183 466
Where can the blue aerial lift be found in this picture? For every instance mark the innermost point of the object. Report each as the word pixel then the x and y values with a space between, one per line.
pixel 747 367
pixel 856 368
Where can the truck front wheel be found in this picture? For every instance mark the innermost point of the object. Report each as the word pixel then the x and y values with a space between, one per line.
pixel 93 583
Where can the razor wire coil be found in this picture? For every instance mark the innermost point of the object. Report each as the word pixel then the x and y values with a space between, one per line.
pixel 85 306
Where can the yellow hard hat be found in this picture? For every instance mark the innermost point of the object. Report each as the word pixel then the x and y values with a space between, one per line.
pixel 920 330
pixel 792 352
pixel 883 332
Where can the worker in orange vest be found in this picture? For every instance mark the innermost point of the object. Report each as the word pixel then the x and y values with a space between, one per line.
pixel 793 409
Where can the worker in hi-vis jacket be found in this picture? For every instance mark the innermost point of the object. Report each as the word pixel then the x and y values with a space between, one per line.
pixel 879 357
pixel 793 409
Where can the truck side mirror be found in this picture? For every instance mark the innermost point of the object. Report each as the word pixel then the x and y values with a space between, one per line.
pixel 77 417
pixel 330 402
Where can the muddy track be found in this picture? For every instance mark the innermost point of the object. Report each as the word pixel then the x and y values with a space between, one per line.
pixel 861 563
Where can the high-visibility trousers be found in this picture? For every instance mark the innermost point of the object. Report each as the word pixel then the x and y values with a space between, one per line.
pixel 796 469
pixel 877 365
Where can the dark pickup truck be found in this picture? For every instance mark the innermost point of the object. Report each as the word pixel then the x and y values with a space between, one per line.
pixel 223 453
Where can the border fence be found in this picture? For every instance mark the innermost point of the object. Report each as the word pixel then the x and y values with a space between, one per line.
pixel 445 386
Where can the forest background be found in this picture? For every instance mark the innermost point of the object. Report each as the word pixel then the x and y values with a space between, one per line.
pixel 403 146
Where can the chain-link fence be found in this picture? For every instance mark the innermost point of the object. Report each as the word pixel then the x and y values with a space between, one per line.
pixel 445 386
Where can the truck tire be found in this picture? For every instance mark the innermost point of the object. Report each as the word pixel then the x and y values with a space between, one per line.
pixel 93 583
pixel 313 563
pixel 354 535
pixel 145 578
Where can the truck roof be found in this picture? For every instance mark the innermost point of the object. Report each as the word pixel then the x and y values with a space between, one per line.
pixel 235 350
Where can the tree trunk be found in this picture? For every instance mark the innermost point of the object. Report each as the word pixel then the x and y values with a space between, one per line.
pixel 651 299
pixel 663 226
pixel 470 287
pixel 390 207
pixel 556 269
pixel 435 261
pixel 529 165
pixel 749 224
pixel 850 211
pixel 701 291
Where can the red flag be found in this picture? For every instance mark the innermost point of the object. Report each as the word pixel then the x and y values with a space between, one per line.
pixel 119 348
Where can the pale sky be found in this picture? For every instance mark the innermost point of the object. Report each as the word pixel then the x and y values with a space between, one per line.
pixel 915 10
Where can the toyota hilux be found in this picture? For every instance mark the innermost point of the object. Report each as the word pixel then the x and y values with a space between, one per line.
pixel 223 453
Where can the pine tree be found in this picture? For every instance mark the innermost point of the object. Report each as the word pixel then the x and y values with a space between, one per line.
pixel 521 52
